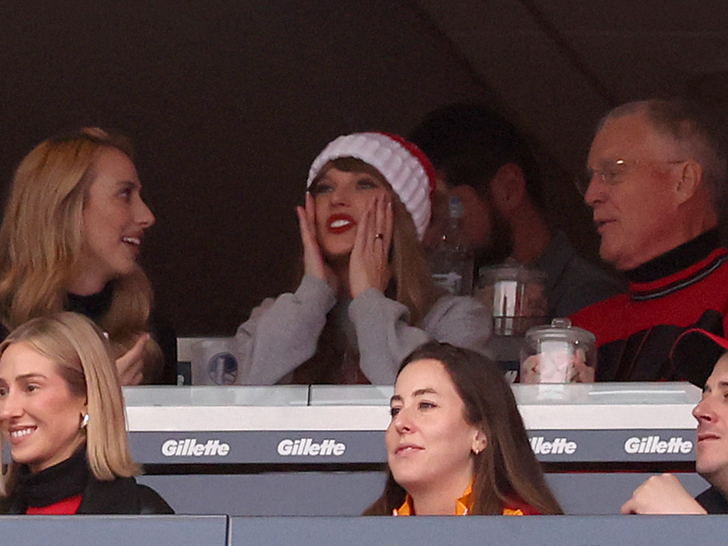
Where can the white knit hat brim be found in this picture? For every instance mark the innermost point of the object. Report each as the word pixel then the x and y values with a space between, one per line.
pixel 404 171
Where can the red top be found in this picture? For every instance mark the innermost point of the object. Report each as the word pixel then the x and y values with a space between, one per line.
pixel 636 332
pixel 517 507
pixel 691 291
pixel 66 507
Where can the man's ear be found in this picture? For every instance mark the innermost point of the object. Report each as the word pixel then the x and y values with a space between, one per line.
pixel 689 180
pixel 467 195
pixel 508 188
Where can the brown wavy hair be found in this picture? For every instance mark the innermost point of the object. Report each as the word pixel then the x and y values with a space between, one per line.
pixel 507 469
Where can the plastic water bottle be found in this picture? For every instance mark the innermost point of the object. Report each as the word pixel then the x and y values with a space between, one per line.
pixel 451 261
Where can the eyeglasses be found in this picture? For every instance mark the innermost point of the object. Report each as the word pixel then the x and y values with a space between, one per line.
pixel 613 171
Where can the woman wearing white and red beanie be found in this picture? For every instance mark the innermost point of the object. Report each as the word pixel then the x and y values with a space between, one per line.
pixel 366 299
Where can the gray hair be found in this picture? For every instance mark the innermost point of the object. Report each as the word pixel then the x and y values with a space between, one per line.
pixel 693 130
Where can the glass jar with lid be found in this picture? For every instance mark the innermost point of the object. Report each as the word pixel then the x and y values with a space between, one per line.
pixel 558 353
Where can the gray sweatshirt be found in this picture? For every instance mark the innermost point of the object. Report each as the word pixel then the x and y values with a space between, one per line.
pixel 282 333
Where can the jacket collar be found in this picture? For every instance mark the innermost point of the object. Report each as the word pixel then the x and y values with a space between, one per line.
pixel 676 260
pixel 462 506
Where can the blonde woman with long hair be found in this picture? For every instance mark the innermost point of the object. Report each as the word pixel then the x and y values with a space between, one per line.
pixel 366 298
pixel 71 233
pixel 62 414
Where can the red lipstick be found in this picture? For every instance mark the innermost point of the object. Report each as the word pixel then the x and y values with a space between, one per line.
pixel 340 223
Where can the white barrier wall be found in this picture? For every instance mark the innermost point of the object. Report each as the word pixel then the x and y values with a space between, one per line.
pixel 319 450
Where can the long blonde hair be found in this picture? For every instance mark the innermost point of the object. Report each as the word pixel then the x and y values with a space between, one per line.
pixel 83 357
pixel 41 240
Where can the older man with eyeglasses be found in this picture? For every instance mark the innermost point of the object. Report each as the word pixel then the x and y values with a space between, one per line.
pixel 656 176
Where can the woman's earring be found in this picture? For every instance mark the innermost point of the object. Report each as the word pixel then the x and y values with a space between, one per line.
pixel 84 421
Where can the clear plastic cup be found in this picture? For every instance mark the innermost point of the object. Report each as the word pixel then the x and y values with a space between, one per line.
pixel 516 296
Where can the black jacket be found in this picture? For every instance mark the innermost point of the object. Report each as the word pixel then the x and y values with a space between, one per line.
pixel 120 496
pixel 713 501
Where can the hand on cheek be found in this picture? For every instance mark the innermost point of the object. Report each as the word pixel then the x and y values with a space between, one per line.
pixel 313 261
pixel 369 262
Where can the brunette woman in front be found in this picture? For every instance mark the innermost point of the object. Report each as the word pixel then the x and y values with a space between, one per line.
pixel 456 444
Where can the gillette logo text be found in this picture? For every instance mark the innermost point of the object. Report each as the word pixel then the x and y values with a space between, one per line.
pixel 306 447
pixel 653 444
pixel 190 448
pixel 557 446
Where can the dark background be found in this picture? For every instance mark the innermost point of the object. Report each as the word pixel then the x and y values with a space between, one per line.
pixel 228 102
